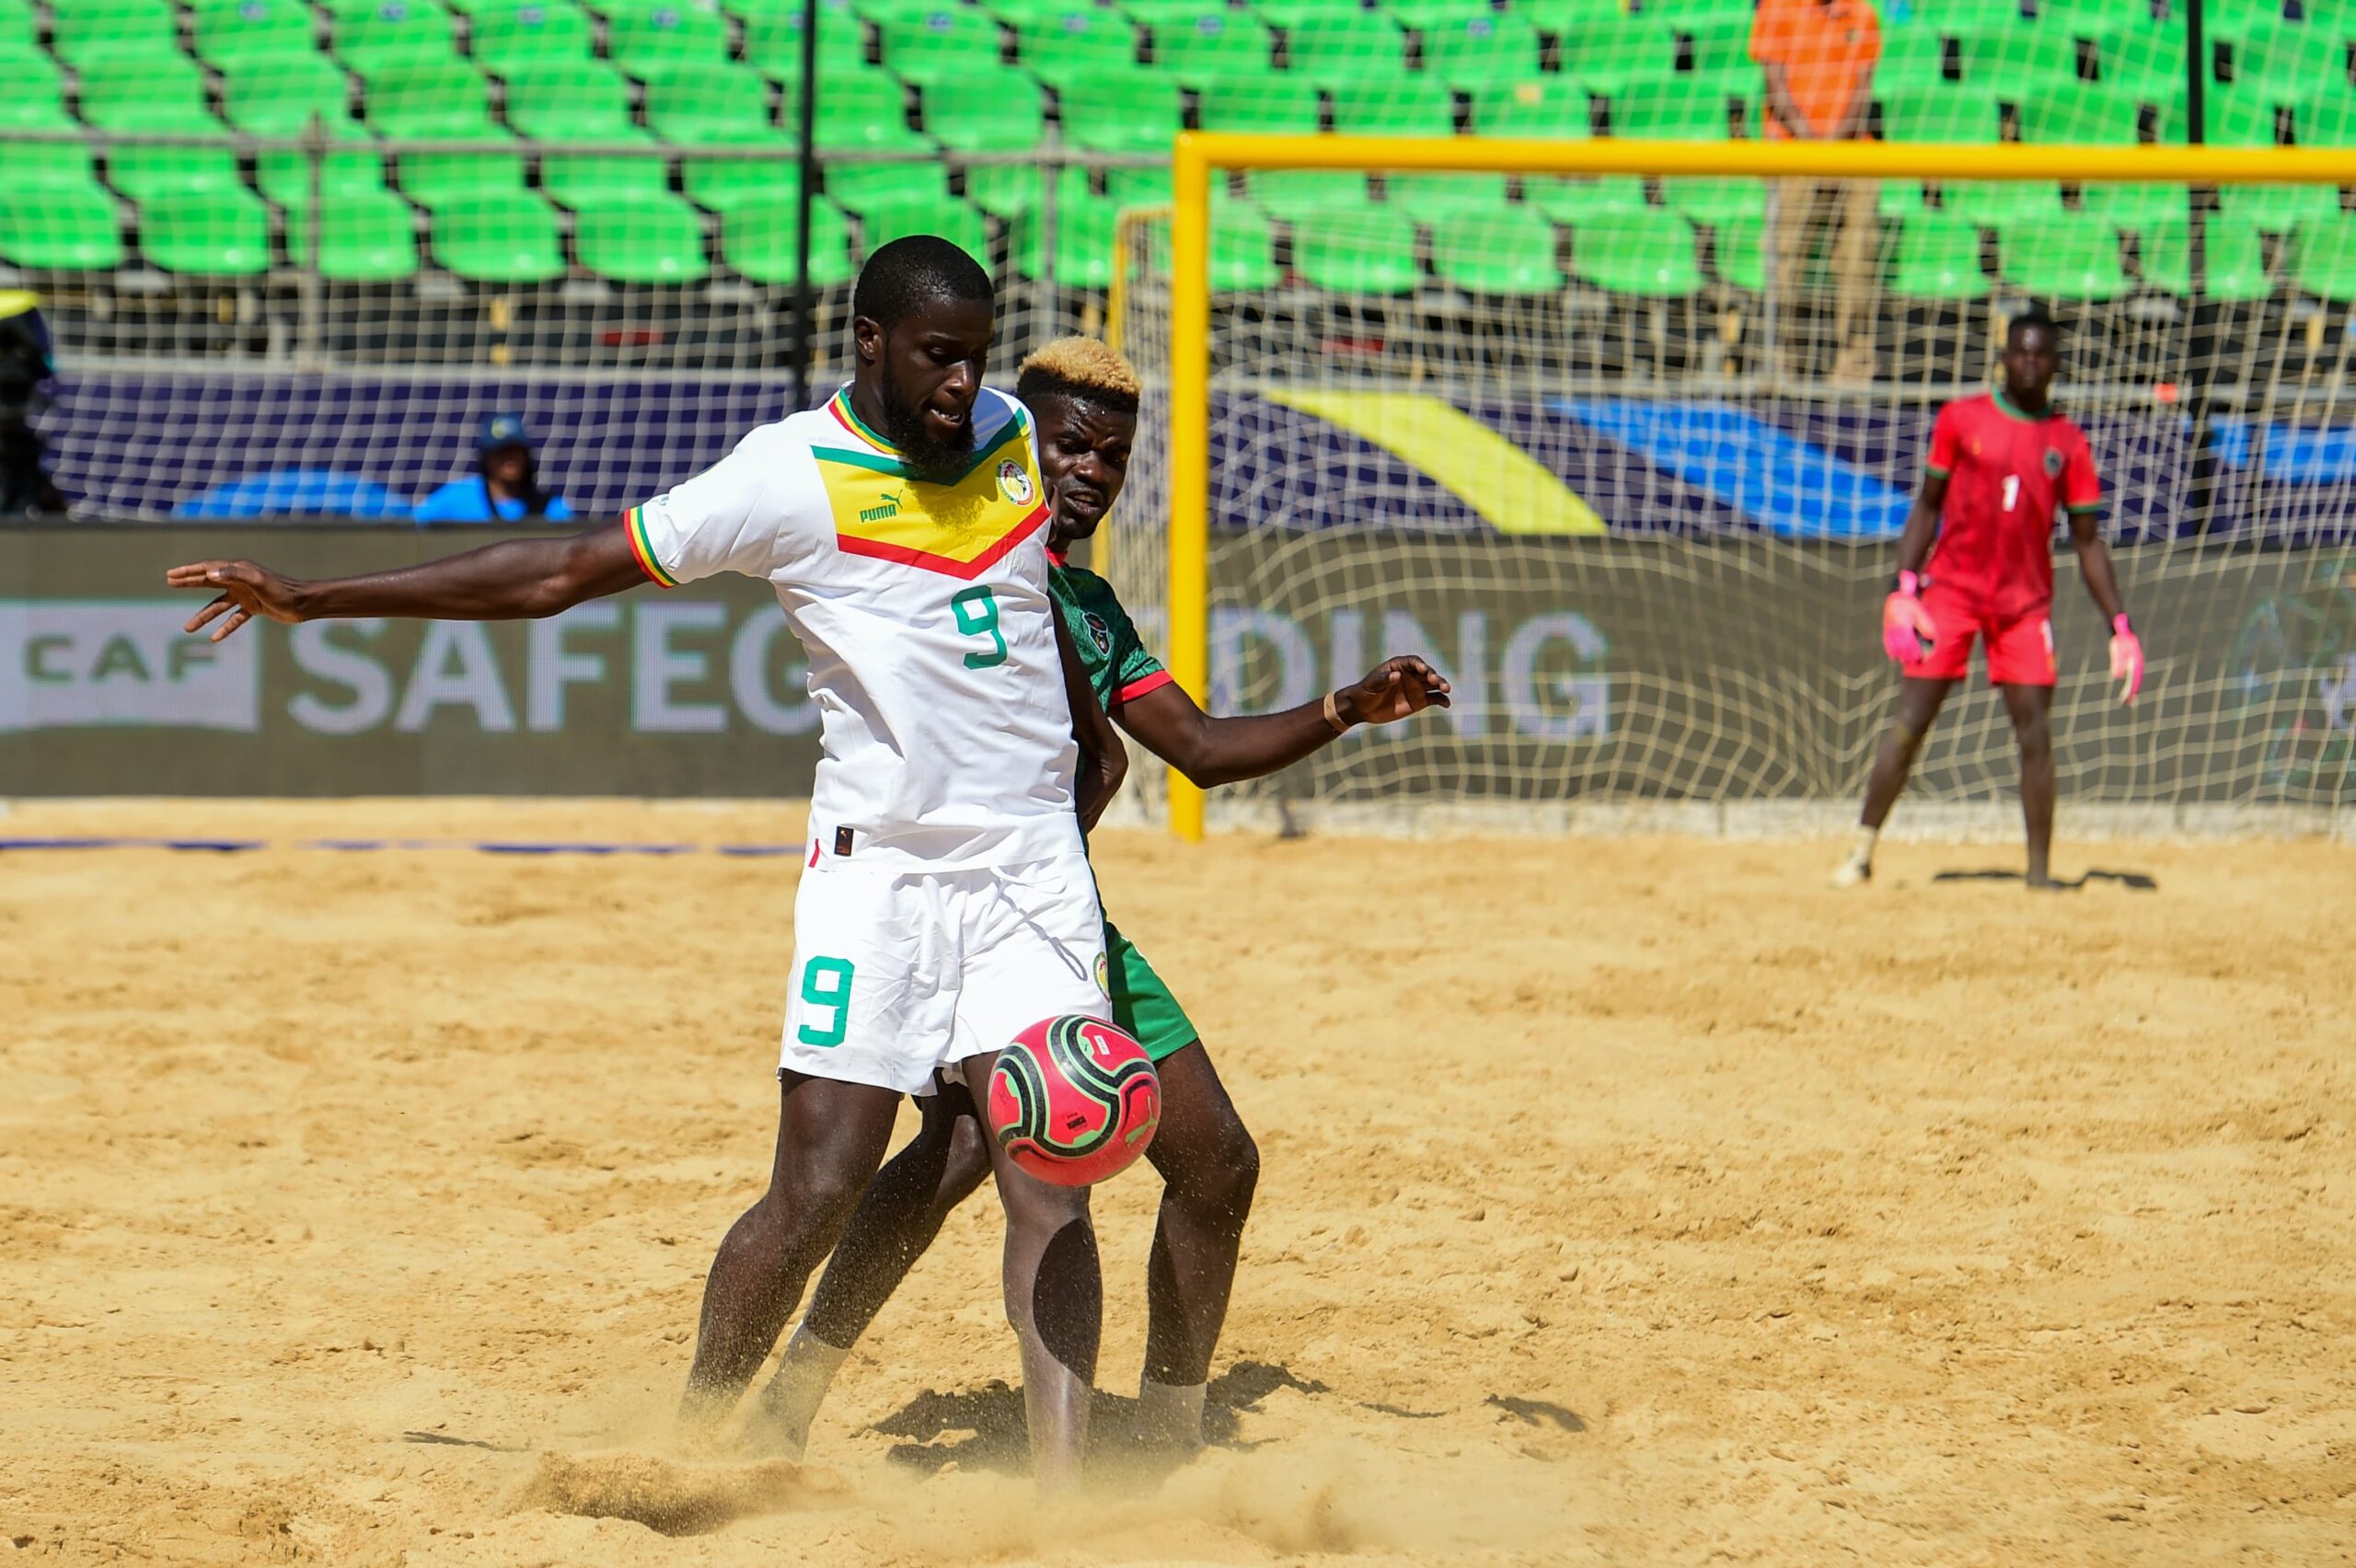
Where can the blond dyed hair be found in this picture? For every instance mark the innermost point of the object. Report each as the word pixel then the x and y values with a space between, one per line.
pixel 1086 370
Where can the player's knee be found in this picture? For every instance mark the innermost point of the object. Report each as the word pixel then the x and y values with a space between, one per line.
pixel 1041 1207
pixel 1218 1189
pixel 2035 738
pixel 967 1164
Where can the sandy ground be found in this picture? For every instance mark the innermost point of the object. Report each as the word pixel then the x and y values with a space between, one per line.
pixel 1637 1201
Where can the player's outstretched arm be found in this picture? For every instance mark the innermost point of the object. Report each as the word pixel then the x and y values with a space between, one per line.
pixel 1219 751
pixel 515 580
pixel 1104 761
pixel 2102 584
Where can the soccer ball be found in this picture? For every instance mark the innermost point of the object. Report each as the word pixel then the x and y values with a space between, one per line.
pixel 1073 1100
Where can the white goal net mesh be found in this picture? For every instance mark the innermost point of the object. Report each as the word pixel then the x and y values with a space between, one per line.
pixel 1627 458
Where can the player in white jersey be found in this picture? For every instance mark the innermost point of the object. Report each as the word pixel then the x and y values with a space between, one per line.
pixel 947 902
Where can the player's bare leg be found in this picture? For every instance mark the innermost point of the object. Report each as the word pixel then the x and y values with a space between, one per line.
pixel 830 1137
pixel 1919 701
pixel 893 1224
pixel 2031 708
pixel 1054 1298
pixel 1209 1167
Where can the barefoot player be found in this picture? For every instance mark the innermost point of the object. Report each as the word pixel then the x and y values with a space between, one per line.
pixel 948 903
pixel 1976 559
pixel 1085 398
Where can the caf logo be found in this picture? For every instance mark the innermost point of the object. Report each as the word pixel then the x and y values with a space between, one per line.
pixel 2052 463
pixel 1098 632
pixel 1103 975
pixel 1013 483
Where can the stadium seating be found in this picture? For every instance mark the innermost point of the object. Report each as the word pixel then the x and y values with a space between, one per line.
pixel 758 240
pixel 365 237
pixel 1506 251
pixel 1358 249
pixel 1937 258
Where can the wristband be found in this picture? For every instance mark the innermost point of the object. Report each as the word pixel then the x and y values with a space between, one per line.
pixel 1909 584
pixel 2119 625
pixel 1334 714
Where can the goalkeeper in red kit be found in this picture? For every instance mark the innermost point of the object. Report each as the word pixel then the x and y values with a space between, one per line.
pixel 1975 561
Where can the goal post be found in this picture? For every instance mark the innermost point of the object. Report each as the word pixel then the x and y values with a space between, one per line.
pixel 1172 322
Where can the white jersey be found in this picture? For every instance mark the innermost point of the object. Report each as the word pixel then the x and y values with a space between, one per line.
pixel 925 612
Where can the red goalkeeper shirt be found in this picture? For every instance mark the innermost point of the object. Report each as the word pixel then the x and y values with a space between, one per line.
pixel 2007 474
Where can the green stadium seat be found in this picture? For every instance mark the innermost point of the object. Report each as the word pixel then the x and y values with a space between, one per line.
pixel 585 181
pixel 1285 14
pixel 1346 46
pixel 2132 208
pixel 2325 257
pixel 1006 191
pixel 1576 198
pixel 646 37
pixel 1996 203
pixel 133 92
pixel 2278 209
pixel 68 230
pixel 721 105
pixel 1294 195
pixel 1136 112
pixel 2285 54
pixel 2234 257
pixel 1476 50
pixel 513 34
pixel 759 241
pixel 277 94
pixel 650 238
pixel 285 177
pixel 32 85
pixel 773 37
pixel 1921 112
pixel 1267 105
pixel 1642 251
pixel 1937 258
pixel 18 23
pixel 708 104
pixel 373 35
pixel 1550 109
pixel 1425 15
pixel 865 110
pixel 219 233
pixel 1711 44
pixel 1667 108
pixel 230 33
pixel 97 28
pixel 2063 256
pixel 860 186
pixel 2326 119
pixel 1900 200
pixel 1441 197
pixel 426 98
pixel 1023 13
pixel 435 181
pixel 1358 250
pixel 2239 114
pixel 1605 54
pixel 2082 115
pixel 571 100
pixel 1085 231
pixel 2016 60
pixel 1715 201
pixel 944 39
pixel 883 221
pixel 1075 43
pixel 984 110
pixel 32 113
pixel 37 166
pixel 1411 106
pixel 2138 57
pixel 365 237
pixel 1214 45
pixel 1149 187
pixel 505 238
pixel 1168 13
pixel 1738 253
pixel 1910 56
pixel 1504 250
pixel 1243 250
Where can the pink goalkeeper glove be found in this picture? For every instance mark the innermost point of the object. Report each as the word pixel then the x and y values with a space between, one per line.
pixel 2126 659
pixel 1907 632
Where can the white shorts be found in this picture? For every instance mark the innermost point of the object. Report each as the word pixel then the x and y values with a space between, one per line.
pixel 896 974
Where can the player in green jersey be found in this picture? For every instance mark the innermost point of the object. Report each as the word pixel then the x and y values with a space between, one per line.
pixel 1083 397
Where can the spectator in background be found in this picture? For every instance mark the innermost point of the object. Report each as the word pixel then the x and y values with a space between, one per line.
pixel 25 378
pixel 1819 56
pixel 505 485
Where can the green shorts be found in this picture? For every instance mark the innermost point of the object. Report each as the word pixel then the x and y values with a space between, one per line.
pixel 1141 1004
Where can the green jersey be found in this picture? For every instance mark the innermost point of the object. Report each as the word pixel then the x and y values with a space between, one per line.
pixel 1118 666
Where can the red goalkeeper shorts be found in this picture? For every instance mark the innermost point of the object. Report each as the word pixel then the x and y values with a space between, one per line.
pixel 2020 649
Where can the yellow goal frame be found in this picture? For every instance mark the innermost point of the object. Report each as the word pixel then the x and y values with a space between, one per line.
pixel 1196 154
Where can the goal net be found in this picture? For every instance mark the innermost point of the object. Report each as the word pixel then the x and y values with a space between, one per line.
pixel 1622 436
